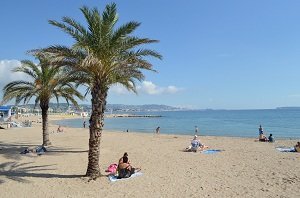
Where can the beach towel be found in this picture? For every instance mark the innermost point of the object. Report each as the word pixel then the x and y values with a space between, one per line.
pixel 211 151
pixel 286 149
pixel 114 178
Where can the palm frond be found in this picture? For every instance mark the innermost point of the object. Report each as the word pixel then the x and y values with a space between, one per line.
pixel 121 33
pixel 104 54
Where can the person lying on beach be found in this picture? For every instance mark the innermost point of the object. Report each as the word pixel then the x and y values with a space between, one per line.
pixel 297 147
pixel 125 170
pixel 38 150
pixel 196 145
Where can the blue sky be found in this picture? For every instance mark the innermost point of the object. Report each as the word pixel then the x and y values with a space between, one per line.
pixel 217 54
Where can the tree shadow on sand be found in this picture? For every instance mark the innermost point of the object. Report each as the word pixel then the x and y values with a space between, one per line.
pixel 21 171
pixel 12 150
pixel 59 150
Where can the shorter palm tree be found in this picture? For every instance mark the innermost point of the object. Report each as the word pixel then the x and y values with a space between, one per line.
pixel 46 82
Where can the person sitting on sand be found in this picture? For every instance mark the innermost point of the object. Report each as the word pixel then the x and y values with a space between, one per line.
pixel 121 159
pixel 262 137
pixel 297 147
pixel 271 138
pixel 196 145
pixel 125 170
pixel 60 129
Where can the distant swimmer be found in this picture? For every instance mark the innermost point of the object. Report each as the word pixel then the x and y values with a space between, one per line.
pixel 297 147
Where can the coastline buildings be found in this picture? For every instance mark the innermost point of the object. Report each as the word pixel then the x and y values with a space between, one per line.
pixel 5 113
pixel 83 110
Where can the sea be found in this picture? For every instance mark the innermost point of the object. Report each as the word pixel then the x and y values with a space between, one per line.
pixel 282 123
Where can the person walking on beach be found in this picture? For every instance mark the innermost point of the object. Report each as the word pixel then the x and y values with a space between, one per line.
pixel 196 130
pixel 84 124
pixel 157 130
pixel 60 129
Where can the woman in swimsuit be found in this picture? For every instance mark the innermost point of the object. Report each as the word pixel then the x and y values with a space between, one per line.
pixel 125 170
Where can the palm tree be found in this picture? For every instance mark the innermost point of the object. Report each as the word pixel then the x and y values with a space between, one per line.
pixel 103 55
pixel 46 82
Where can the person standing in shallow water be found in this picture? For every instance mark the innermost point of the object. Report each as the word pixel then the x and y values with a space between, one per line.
pixel 84 124
pixel 157 130
pixel 260 130
pixel 196 130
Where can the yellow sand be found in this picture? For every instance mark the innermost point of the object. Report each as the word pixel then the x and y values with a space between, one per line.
pixel 244 169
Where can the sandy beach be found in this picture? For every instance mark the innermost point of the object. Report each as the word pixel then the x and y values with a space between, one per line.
pixel 244 168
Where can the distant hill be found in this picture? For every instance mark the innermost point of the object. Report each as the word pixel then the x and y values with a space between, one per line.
pixel 146 107
pixel 291 108
pixel 63 107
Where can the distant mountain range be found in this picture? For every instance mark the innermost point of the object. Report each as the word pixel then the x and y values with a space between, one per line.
pixel 62 107
pixel 147 107
pixel 295 108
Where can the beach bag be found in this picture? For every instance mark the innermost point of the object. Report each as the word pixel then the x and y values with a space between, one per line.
pixel 112 168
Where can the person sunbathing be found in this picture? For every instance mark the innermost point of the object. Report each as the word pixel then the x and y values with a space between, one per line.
pixel 121 159
pixel 38 150
pixel 125 170
pixel 297 147
pixel 196 145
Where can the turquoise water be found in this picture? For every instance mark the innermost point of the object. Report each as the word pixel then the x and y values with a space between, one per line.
pixel 239 123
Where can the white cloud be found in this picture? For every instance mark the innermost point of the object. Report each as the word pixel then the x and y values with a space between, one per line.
pixel 118 89
pixel 6 75
pixel 150 88
pixel 146 87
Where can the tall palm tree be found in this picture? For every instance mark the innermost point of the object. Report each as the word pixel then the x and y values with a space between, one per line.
pixel 103 55
pixel 45 82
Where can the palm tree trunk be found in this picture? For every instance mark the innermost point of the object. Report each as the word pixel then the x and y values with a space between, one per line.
pixel 96 126
pixel 45 107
